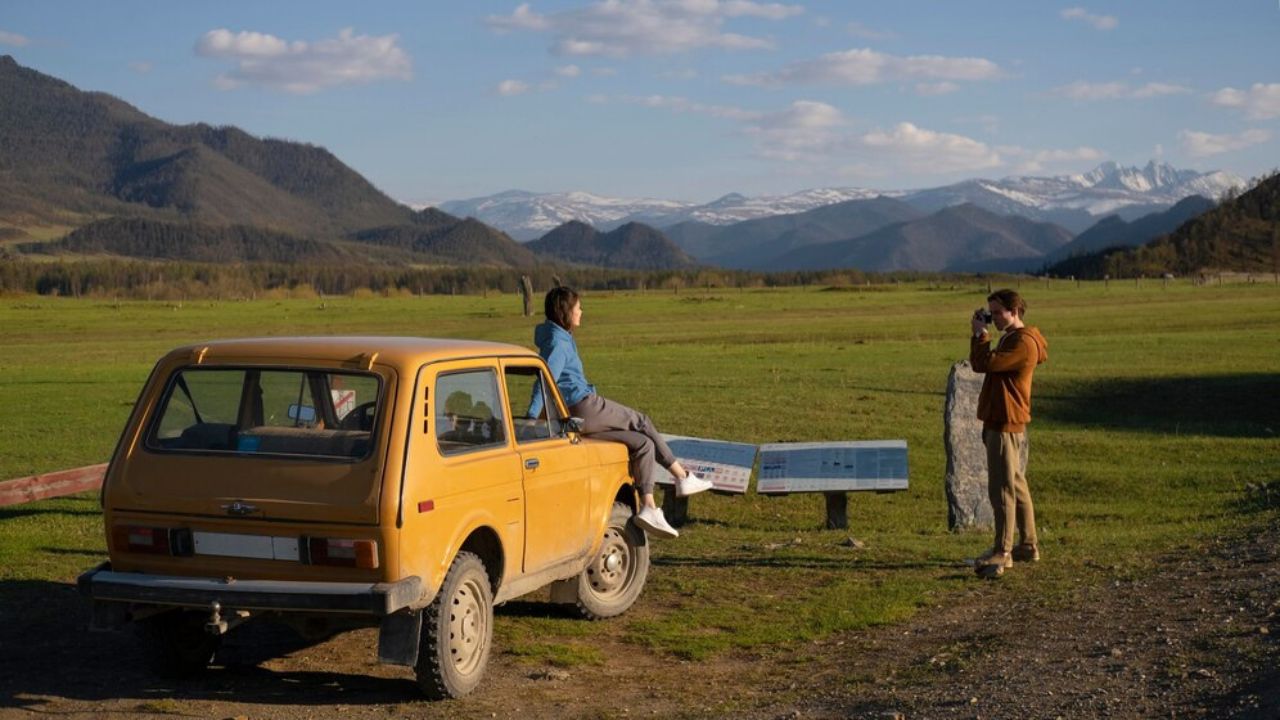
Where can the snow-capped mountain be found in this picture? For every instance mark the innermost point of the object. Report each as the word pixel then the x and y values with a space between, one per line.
pixel 525 215
pixel 1077 201
pixel 1073 201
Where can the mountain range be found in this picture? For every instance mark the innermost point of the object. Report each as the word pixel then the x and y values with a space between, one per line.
pixel 1072 201
pixel 1242 234
pixel 121 183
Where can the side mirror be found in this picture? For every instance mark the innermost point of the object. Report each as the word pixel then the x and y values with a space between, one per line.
pixel 573 424
pixel 302 413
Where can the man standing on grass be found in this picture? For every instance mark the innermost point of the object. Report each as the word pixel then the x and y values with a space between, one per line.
pixel 1004 407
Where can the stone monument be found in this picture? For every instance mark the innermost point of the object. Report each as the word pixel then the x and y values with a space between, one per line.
pixel 967 503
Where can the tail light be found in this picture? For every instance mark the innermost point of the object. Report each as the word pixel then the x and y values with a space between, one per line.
pixel 152 540
pixel 343 552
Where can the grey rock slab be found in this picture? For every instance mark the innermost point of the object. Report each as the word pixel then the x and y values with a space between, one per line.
pixel 967 503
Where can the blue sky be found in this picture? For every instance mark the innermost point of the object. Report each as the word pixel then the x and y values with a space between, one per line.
pixel 690 99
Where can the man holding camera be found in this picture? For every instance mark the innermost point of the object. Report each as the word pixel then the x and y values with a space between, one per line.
pixel 1004 407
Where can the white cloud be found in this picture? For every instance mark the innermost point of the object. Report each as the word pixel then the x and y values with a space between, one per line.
pixel 604 71
pixel 1202 144
pixel 1034 161
pixel 142 68
pixel 14 39
pixel 926 151
pixel 522 18
pixel 570 71
pixel 807 131
pixel 304 67
pixel 1081 90
pixel 939 88
pixel 1099 22
pixel 1151 90
pixel 859 30
pixel 867 67
pixel 684 105
pixel 812 137
pixel 618 28
pixel 1260 102
pixel 508 88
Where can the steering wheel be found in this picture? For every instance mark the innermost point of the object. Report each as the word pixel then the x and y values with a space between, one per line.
pixel 360 417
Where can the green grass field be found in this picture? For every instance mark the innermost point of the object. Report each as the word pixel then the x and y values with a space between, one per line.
pixel 1157 409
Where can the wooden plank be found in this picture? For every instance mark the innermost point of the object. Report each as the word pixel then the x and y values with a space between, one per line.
pixel 54 484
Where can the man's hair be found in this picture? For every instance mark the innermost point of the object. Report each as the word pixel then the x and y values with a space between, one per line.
pixel 1011 300
pixel 559 305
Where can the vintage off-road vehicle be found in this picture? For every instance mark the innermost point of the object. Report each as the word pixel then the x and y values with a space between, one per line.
pixel 339 482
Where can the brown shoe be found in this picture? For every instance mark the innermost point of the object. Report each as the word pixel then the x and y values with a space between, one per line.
pixel 991 565
pixel 1026 553
pixel 990 558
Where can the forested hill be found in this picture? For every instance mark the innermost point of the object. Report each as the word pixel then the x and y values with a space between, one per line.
pixel 197 242
pixel 1241 234
pixel 635 246
pixel 66 154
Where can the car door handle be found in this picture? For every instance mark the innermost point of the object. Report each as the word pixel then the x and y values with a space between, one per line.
pixel 531 464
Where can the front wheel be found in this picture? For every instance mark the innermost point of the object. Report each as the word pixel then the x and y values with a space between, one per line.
pixel 615 578
pixel 457 630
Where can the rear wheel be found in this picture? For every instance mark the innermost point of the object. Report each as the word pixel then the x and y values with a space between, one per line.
pixel 179 646
pixel 615 578
pixel 457 630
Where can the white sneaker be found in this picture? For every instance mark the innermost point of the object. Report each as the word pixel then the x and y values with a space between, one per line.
pixel 652 520
pixel 692 484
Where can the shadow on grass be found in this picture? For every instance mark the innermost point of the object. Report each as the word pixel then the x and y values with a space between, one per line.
pixel 49 654
pixel 1242 405
pixel 17 511
pixel 812 562
pixel 541 610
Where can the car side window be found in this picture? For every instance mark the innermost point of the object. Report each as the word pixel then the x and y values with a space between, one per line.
pixel 469 411
pixel 522 384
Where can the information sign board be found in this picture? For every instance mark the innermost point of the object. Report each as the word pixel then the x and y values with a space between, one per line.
pixel 726 464
pixel 833 466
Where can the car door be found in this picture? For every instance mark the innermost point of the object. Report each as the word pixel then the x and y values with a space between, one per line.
pixel 557 488
pixel 461 470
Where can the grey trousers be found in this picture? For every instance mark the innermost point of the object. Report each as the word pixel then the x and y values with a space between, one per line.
pixel 605 419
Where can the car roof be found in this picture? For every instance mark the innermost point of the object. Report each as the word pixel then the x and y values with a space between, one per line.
pixel 397 351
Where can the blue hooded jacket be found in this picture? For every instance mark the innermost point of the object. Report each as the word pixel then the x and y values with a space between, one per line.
pixel 557 346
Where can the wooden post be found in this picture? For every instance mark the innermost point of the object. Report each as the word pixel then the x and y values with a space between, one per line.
pixel 837 510
pixel 674 507
pixel 526 294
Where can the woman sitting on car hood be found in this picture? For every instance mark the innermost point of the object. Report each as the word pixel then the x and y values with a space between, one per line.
pixel 603 418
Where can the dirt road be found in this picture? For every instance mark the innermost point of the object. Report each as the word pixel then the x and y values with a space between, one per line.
pixel 1196 639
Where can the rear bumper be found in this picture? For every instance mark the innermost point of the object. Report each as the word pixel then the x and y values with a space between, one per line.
pixel 373 599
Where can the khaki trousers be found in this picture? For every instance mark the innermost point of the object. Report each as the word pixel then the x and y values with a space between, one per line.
pixel 1007 488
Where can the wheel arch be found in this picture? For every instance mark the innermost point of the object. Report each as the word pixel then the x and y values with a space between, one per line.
pixel 485 543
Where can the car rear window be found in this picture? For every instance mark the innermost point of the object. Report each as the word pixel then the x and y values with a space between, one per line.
pixel 293 412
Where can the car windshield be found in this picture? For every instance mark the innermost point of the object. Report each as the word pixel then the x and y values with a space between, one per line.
pixel 312 413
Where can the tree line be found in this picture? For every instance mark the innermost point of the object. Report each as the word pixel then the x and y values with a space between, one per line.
pixel 136 279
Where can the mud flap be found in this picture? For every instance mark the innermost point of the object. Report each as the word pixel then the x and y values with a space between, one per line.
pixel 565 592
pixel 398 638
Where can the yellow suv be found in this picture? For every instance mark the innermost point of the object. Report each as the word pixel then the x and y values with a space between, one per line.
pixel 339 482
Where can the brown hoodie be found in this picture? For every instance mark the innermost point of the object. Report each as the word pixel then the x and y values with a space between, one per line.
pixel 1005 401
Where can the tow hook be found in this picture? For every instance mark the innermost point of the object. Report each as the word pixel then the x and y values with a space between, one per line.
pixel 215 625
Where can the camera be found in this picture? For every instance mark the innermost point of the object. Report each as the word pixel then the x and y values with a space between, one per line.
pixel 983 315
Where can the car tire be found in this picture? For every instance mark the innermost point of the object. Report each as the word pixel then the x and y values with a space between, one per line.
pixel 615 578
pixel 178 645
pixel 457 631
